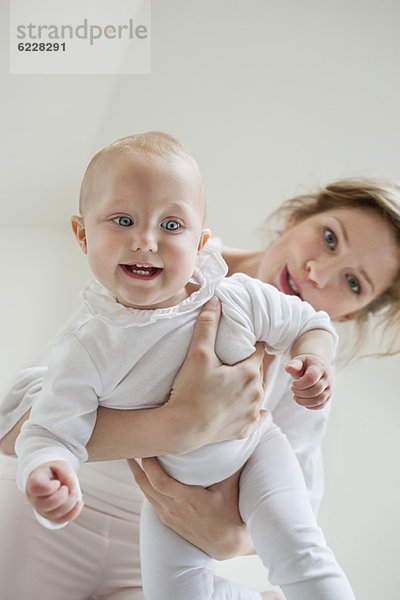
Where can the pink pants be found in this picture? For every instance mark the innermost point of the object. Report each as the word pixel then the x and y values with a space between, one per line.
pixel 95 557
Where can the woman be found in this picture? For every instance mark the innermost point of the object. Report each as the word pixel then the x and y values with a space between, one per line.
pixel 331 254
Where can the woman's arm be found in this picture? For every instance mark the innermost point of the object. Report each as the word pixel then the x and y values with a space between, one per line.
pixel 209 402
pixel 7 443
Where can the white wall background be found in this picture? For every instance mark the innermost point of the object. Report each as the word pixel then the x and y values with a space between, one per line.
pixel 271 98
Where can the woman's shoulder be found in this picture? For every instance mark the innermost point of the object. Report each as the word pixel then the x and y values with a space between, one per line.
pixel 241 261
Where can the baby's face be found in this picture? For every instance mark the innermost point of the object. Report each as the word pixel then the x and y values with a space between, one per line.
pixel 142 228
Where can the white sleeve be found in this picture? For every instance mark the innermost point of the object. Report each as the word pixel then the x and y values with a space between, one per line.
pixel 64 413
pixel 279 319
pixel 28 382
pixel 289 318
pixel 20 397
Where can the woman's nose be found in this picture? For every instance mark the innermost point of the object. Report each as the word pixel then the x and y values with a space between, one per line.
pixel 318 272
pixel 144 240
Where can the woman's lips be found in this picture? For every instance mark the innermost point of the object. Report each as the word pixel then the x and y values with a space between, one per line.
pixel 289 285
pixel 141 271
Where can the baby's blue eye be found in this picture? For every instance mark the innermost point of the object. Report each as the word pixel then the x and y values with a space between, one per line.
pixel 123 221
pixel 330 238
pixel 354 284
pixel 171 225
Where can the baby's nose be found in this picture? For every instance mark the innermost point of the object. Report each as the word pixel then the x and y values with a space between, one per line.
pixel 145 241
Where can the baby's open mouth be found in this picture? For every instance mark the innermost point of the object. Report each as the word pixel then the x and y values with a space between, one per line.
pixel 141 271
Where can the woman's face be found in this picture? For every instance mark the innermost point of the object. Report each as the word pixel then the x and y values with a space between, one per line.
pixel 338 261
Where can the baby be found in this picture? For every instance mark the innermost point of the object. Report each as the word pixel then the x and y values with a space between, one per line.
pixel 141 225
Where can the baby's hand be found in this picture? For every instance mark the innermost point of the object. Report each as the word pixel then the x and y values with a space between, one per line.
pixel 51 491
pixel 312 387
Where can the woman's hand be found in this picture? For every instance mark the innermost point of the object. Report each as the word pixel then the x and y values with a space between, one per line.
pixel 219 402
pixel 207 517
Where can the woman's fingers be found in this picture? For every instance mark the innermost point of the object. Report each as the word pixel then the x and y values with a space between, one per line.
pixel 160 481
pixel 202 345
pixel 157 501
pixel 225 403
pixel 255 361
pixel 140 478
pixel 246 379
pixel 253 373
pixel 153 481
pixel 169 498
pixel 228 488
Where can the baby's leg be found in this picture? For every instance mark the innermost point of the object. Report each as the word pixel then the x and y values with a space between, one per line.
pixel 274 503
pixel 174 569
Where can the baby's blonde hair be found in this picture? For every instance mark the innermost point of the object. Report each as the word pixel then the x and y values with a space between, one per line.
pixel 150 143
pixel 383 197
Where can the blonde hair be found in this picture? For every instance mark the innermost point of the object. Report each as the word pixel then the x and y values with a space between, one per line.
pixel 383 197
pixel 150 143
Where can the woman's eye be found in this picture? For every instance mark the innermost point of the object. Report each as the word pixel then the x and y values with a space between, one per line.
pixel 171 225
pixel 354 284
pixel 123 221
pixel 330 238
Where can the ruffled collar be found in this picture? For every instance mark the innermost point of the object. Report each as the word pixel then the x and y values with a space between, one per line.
pixel 210 270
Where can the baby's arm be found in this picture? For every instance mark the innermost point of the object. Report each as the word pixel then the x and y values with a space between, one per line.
pixel 60 424
pixel 226 402
pixel 51 489
pixel 310 367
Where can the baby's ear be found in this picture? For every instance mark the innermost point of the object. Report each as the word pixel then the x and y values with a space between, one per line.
pixel 79 230
pixel 205 236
